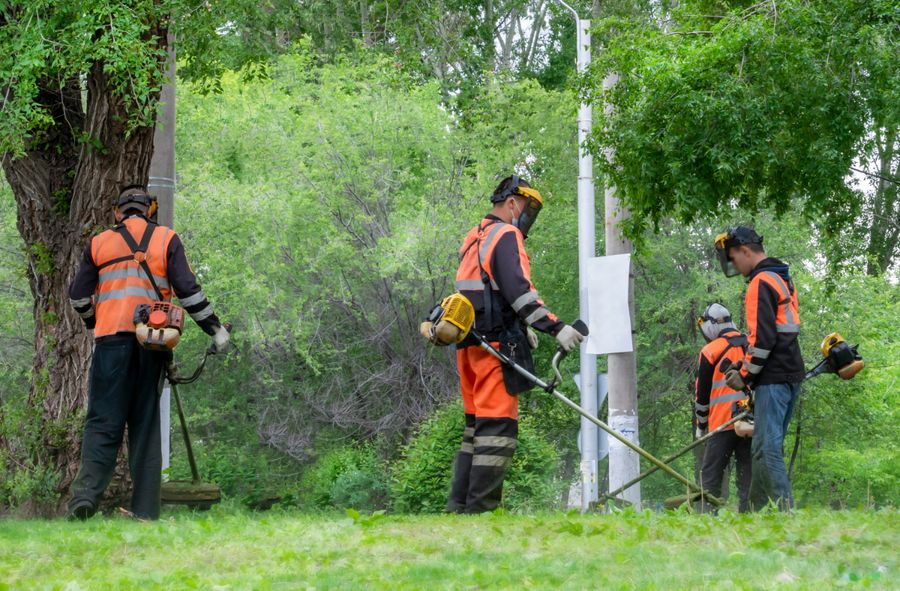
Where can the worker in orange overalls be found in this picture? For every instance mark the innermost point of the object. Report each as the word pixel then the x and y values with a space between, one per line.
pixel 495 275
pixel 125 377
pixel 715 401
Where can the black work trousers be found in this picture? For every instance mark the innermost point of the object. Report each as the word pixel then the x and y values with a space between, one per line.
pixel 124 390
pixel 719 450
pixel 481 464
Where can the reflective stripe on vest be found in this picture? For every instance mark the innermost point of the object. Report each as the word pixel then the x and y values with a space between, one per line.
pixel 481 242
pixel 787 317
pixel 110 273
pixel 122 286
pixel 722 397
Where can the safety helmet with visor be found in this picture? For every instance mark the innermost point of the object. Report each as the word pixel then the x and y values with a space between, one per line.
pixel 733 237
pixel 533 205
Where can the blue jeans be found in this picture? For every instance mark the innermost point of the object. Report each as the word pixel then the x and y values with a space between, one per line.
pixel 772 409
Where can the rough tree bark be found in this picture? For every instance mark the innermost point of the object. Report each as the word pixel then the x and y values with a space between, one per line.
pixel 64 186
pixel 884 232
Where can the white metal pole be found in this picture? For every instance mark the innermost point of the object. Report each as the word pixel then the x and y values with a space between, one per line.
pixel 586 251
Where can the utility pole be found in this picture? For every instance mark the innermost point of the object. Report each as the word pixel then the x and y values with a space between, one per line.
pixel 162 184
pixel 586 251
pixel 624 464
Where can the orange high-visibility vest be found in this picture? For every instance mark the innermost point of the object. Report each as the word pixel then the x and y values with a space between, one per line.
pixel 477 253
pixel 123 283
pixel 729 346
pixel 787 317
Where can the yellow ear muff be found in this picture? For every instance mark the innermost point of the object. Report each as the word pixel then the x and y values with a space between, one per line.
pixel 720 240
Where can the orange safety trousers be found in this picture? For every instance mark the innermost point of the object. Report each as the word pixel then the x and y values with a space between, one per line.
pixel 481 382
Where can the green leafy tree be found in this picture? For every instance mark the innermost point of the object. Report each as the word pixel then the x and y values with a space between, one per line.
pixel 347 189
pixel 80 81
pixel 755 104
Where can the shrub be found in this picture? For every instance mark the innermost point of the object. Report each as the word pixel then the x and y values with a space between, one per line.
pixel 421 477
pixel 364 490
pixel 845 478
pixel 533 482
pixel 350 476
pixel 31 489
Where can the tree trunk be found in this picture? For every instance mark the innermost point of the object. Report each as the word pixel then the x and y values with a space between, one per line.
pixel 365 34
pixel 65 186
pixel 884 232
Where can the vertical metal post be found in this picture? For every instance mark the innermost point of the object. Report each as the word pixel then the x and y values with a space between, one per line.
pixel 586 251
pixel 162 185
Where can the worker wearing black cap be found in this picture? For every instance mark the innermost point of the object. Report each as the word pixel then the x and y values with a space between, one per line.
pixel 773 366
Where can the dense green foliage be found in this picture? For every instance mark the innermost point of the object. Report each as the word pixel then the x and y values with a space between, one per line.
pixel 322 196
pixel 346 477
pixel 761 105
pixel 221 549
pixel 421 478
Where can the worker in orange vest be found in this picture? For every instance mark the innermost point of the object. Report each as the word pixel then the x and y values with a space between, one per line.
pixel 136 262
pixel 715 402
pixel 773 365
pixel 495 275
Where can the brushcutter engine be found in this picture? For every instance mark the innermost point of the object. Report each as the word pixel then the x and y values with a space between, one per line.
pixel 839 357
pixel 449 322
pixel 158 326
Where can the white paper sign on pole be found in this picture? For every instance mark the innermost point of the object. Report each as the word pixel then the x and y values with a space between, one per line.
pixel 610 321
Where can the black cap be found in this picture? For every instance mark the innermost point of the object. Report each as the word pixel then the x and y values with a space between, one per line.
pixel 739 235
pixel 508 187
pixel 133 195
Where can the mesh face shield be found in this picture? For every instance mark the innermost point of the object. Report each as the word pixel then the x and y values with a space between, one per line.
pixel 722 246
pixel 715 319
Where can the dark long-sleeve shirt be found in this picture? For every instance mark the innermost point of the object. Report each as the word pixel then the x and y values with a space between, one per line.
pixel 774 354
pixel 179 275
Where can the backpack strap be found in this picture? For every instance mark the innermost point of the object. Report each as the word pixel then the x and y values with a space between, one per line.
pixel 486 279
pixel 737 340
pixel 139 252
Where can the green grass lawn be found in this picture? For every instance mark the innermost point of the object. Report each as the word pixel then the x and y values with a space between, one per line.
pixel 228 549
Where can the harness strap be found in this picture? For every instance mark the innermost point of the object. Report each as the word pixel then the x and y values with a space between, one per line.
pixel 486 280
pixel 733 341
pixel 139 248
pixel 117 260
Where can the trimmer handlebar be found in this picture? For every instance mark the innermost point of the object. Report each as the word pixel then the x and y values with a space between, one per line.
pixel 727 364
pixel 212 349
pixel 172 369
pixel 582 328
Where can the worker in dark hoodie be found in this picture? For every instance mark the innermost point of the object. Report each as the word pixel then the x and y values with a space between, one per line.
pixel 773 366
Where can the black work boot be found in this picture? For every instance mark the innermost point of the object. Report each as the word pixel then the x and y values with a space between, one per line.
pixel 80 510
